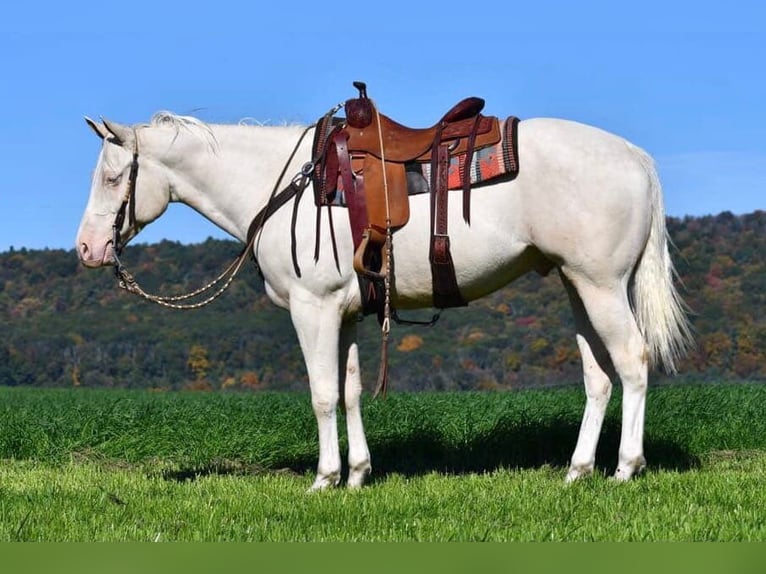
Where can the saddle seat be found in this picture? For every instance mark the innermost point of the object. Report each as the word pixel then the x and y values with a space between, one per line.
pixel 404 144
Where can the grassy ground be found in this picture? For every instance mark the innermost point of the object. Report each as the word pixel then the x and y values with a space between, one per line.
pixel 105 465
pixel 723 499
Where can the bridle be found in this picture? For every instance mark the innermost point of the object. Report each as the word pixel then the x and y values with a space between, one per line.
pixel 128 205
pixel 128 208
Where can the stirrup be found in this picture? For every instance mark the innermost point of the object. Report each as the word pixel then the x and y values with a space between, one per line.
pixel 360 265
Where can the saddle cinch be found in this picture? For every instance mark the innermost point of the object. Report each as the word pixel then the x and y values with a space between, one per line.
pixel 370 157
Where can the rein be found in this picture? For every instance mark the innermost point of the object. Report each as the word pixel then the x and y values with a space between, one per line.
pixel 276 200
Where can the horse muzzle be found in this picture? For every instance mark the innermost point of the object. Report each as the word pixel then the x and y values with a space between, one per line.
pixel 93 259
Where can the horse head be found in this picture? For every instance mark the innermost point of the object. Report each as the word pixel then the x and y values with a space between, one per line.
pixel 123 199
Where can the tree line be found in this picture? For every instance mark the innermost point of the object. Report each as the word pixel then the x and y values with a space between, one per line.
pixel 64 325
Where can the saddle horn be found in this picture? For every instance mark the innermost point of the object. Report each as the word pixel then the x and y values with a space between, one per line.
pixel 362 87
pixel 359 110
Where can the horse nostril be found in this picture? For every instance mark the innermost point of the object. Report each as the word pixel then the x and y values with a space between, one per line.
pixel 84 251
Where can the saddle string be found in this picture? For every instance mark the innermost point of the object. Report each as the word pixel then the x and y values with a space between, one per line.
pixel 385 326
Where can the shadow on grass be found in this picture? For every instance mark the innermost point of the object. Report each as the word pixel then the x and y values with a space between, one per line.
pixel 506 445
pixel 525 446
pixel 220 468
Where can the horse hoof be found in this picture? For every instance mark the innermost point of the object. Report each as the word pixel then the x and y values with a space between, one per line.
pixel 578 472
pixel 627 470
pixel 324 482
pixel 357 478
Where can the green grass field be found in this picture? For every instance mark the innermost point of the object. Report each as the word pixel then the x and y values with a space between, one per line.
pixel 86 465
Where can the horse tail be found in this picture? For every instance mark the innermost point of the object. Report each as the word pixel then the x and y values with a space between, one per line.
pixel 660 311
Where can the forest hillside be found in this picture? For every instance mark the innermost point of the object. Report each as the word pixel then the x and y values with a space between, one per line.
pixel 63 325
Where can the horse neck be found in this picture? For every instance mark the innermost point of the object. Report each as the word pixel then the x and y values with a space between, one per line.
pixel 228 178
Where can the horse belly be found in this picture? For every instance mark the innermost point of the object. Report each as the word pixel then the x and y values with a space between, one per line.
pixel 487 254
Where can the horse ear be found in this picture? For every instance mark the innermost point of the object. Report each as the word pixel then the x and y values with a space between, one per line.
pixel 100 129
pixel 123 135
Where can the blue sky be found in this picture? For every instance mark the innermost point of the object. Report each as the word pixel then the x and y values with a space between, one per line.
pixel 684 80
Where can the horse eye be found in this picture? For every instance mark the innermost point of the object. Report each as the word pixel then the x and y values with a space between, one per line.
pixel 113 180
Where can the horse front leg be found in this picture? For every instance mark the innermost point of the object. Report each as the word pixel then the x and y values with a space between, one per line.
pixel 359 466
pixel 317 323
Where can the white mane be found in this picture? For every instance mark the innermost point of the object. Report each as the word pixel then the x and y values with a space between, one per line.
pixel 251 121
pixel 189 124
pixel 164 118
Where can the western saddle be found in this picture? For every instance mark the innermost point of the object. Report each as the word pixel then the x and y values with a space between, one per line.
pixel 369 156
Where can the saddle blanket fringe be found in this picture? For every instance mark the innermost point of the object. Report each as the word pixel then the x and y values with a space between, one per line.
pixel 499 160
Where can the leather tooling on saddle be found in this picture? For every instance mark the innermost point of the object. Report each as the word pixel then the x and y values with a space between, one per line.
pixel 372 164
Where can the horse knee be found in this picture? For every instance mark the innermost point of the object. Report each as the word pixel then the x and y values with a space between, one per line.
pixel 598 386
pixel 324 404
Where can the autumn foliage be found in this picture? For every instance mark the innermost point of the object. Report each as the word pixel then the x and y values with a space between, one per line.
pixel 63 325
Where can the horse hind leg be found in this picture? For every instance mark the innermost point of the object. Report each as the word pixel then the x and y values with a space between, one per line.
pixel 612 319
pixel 359 466
pixel 598 387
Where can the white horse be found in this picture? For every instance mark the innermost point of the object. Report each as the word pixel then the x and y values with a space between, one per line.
pixel 585 202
